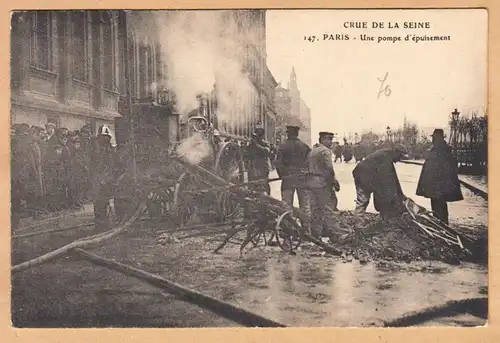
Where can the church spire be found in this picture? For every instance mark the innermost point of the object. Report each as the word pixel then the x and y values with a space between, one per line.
pixel 293 80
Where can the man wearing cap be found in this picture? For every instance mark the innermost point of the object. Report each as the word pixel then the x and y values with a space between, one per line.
pixel 259 163
pixel 322 183
pixel 376 174
pixel 292 167
pixel 439 177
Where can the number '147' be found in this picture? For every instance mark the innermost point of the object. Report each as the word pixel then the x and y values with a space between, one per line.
pixel 310 38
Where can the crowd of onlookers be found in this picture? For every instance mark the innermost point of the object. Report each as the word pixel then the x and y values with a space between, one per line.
pixel 49 168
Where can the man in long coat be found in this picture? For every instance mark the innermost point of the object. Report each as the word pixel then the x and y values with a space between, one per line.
pixel 322 183
pixel 376 174
pixel 292 166
pixel 259 162
pixel 439 177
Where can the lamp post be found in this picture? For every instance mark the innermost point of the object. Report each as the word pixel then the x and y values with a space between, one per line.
pixel 454 126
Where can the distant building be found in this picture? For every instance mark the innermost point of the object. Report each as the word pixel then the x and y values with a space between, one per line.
pixel 292 110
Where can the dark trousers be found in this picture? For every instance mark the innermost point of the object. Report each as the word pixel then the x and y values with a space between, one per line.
pixel 440 209
pixel 287 194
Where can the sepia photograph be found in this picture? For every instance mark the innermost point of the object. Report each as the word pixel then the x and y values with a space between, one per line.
pixel 249 168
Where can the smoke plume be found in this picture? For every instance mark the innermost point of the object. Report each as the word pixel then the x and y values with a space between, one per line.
pixel 202 49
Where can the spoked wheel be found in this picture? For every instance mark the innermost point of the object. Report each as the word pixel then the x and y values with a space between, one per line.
pixel 287 231
pixel 183 203
pixel 264 236
pixel 229 166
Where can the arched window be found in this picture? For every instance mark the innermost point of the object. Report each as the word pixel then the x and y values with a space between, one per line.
pixel 41 40
pixel 80 51
pixel 108 53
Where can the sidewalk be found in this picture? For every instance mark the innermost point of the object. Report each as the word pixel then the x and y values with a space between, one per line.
pixel 475 184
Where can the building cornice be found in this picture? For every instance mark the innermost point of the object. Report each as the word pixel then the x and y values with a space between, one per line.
pixel 36 104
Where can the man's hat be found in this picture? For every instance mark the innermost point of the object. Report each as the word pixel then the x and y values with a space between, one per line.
pixel 438 133
pixel 50 125
pixel 325 133
pixel 292 128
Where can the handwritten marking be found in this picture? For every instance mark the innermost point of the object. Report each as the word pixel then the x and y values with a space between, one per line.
pixel 387 89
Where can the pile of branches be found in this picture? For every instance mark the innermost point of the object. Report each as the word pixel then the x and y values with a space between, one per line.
pixel 398 239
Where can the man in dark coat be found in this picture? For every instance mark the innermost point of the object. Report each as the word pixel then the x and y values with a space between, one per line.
pixel 79 173
pixel 439 177
pixel 348 152
pixel 338 150
pixel 322 183
pixel 377 174
pixel 259 163
pixel 292 166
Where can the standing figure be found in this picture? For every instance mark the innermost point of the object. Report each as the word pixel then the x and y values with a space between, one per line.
pixel 338 152
pixel 102 175
pixel 439 177
pixel 36 158
pixel 377 174
pixel 348 152
pixel 322 183
pixel 259 163
pixel 358 152
pixel 292 166
pixel 79 173
pixel 50 128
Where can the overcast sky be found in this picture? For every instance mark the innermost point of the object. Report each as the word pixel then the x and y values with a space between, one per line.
pixel 339 80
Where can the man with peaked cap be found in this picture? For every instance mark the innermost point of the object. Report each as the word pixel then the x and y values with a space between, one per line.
pixel 376 174
pixel 292 166
pixel 439 177
pixel 259 163
pixel 322 183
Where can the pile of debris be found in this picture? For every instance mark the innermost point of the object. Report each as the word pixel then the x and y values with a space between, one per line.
pixel 399 239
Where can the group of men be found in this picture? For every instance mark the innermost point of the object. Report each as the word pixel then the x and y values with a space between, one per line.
pixel 54 168
pixel 310 173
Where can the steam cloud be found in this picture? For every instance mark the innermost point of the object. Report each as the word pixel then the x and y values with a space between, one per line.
pixel 202 49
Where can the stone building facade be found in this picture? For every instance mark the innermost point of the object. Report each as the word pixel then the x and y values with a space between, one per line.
pixel 68 67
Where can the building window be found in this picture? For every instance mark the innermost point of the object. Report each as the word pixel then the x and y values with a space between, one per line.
pixel 41 42
pixel 133 66
pixel 80 46
pixel 108 52
pixel 150 69
pixel 159 64
pixel 143 64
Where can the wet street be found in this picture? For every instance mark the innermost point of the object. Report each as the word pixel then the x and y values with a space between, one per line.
pixel 307 289
pixel 472 211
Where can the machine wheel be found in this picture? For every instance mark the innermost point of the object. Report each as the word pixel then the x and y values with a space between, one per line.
pixel 287 231
pixel 184 203
pixel 229 166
